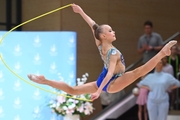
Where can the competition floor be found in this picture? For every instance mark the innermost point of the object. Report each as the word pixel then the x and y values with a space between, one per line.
pixel 173 117
pixel 132 114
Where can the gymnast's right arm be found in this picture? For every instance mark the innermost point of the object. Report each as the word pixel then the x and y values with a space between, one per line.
pixel 90 22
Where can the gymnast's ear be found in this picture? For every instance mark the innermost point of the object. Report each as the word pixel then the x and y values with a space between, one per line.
pixel 102 35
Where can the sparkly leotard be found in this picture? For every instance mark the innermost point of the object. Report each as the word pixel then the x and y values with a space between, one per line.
pixel 112 51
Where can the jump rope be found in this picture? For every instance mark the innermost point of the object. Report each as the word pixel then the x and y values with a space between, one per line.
pixel 3 61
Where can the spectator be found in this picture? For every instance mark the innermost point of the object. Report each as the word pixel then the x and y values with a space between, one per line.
pixel 108 98
pixel 167 68
pixel 119 95
pixel 105 99
pixel 174 60
pixel 178 93
pixel 158 84
pixel 149 43
pixel 141 102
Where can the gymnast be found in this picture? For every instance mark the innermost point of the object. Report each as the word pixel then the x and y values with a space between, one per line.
pixel 113 77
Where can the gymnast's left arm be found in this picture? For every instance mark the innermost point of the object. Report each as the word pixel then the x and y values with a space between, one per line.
pixel 111 68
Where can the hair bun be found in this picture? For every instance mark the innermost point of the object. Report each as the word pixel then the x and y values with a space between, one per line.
pixel 95 27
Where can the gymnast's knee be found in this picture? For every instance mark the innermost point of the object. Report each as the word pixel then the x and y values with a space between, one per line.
pixel 73 91
pixel 70 91
pixel 137 72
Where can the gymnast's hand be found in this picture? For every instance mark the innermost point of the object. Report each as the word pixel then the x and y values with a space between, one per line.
pixel 76 8
pixel 38 79
pixel 95 95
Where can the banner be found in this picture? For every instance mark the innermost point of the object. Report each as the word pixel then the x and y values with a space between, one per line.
pixel 52 54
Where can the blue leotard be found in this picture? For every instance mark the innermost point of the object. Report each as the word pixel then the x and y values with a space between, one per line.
pixel 106 65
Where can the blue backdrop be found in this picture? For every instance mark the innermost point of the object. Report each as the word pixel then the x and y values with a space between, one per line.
pixel 52 54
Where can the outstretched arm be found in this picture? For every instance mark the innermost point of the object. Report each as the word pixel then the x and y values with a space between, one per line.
pixel 90 22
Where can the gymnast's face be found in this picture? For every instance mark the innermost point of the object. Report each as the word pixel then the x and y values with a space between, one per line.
pixel 107 33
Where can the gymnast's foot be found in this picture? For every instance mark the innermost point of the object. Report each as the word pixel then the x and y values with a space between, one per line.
pixel 167 48
pixel 38 79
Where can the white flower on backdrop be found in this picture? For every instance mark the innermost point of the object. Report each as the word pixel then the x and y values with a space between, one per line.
pixel 37 57
pixel 37 42
pixel 53 50
pixel 17 67
pixel 81 81
pixel 53 69
pixel 71 42
pixel 37 60
pixel 17 117
pixel 71 60
pixel 17 103
pixel 70 77
pixel 17 50
pixel 53 66
pixel 37 94
pixel 60 77
pixel 36 112
pixel 17 86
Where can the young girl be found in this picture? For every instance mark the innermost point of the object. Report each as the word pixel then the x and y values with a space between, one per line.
pixel 113 77
pixel 141 102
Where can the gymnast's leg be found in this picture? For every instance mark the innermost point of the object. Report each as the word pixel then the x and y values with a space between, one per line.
pixel 129 77
pixel 87 88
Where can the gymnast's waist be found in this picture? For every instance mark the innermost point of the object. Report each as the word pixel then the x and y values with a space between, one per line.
pixel 115 74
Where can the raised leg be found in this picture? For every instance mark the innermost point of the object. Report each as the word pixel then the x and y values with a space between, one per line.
pixel 87 88
pixel 129 77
